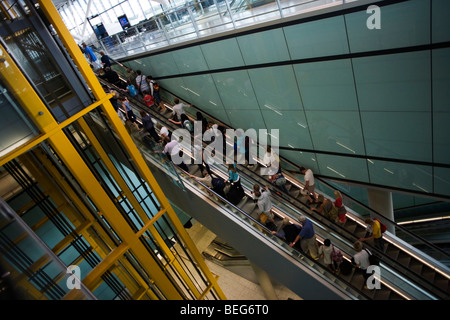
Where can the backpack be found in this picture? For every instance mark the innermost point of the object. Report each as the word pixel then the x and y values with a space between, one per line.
pixel 133 91
pixel 383 227
pixel 346 268
pixel 155 86
pixel 333 213
pixel 280 181
pixel 373 260
pixel 218 183
pixel 188 125
pixel 336 255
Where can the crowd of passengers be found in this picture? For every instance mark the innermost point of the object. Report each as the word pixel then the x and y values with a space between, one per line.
pixel 299 235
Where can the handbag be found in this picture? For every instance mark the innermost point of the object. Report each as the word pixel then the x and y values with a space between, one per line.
pixel 336 255
pixel 262 218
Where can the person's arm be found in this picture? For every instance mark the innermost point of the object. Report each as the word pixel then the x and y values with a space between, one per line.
pixel 176 122
pixel 297 239
pixel 368 238
pixel 319 210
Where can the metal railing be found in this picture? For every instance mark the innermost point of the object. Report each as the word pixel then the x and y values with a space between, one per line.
pixel 200 19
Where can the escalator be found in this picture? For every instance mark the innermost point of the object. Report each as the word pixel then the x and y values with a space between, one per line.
pixel 426 276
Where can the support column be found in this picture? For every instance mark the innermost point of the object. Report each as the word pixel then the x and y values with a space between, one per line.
pixel 265 282
pixel 381 202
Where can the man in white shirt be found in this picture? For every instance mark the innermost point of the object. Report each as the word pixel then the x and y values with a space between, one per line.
pixel 141 82
pixel 272 162
pixel 310 184
pixel 262 196
pixel 361 260
pixel 173 148
pixel 178 108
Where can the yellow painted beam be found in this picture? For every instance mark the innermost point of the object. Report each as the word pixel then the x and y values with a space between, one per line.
pixel 94 277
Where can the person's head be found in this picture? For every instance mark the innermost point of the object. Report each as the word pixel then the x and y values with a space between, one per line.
pixel 302 169
pixel 176 101
pixel 183 117
pixel 129 82
pixel 269 149
pixel 142 113
pixel 358 246
pixel 337 194
pixel 138 72
pixel 84 44
pixel 231 167
pixel 369 221
pixel 106 88
pixel 327 243
pixel 107 69
pixel 257 190
pixel 320 198
pixel 302 219
pixel 102 53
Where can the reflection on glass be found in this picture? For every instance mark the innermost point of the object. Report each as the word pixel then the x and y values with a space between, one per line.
pixel 276 88
pixel 189 60
pixel 343 167
pixel 327 85
pixel 398 135
pixel 317 38
pixel 441 181
pixel 222 54
pixel 202 92
pixel 15 127
pixel 235 89
pixel 271 47
pixel 337 131
pixel 401 175
pixel 397 82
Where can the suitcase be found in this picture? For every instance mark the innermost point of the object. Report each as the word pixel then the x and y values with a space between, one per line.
pixel 346 268
pixel 235 194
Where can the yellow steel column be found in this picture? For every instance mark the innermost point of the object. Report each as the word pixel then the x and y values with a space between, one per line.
pixel 73 49
pixel 37 111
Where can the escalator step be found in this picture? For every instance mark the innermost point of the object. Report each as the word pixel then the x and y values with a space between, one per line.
pixel 428 273
pixel 242 202
pixel 360 232
pixel 294 193
pixel 382 294
pixel 442 282
pixel 395 296
pixel 392 251
pixel 404 259
pixel 288 186
pixel 415 266
pixel 350 225
pixel 248 207
pixel 358 281
pixel 370 293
